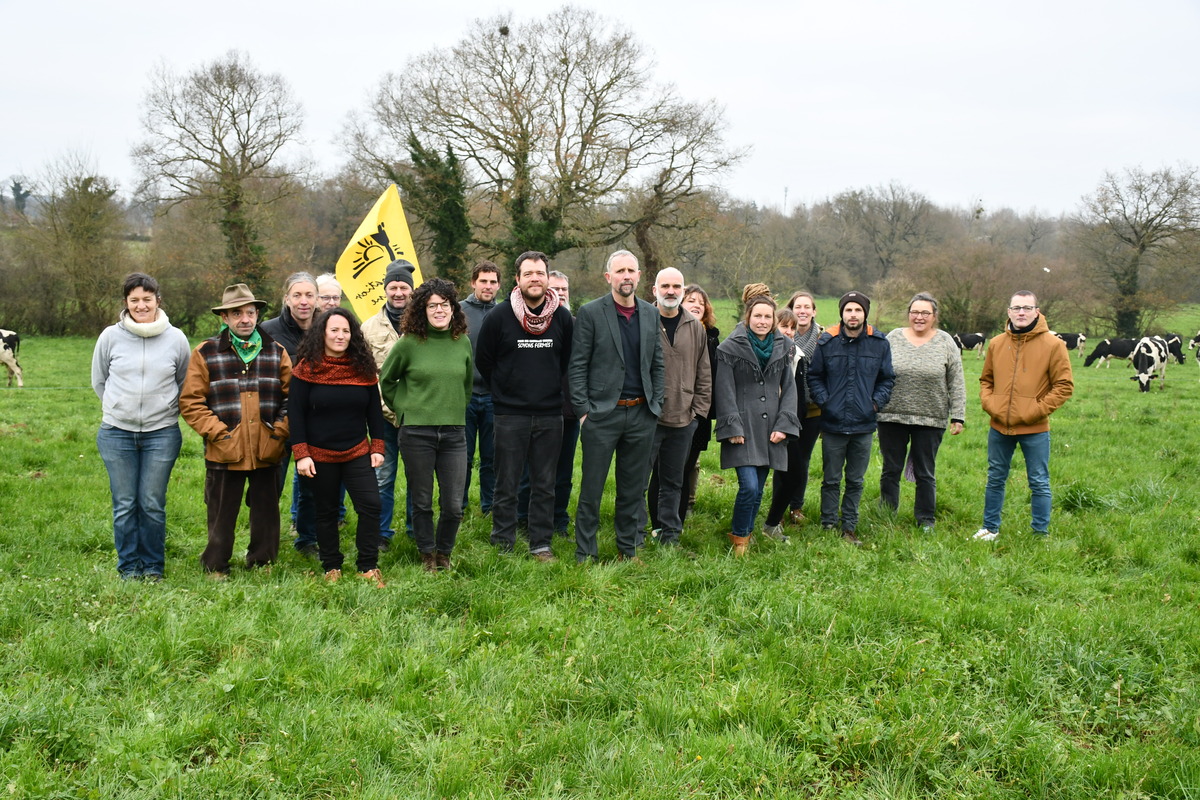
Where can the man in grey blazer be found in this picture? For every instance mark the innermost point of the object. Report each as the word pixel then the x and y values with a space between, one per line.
pixel 617 383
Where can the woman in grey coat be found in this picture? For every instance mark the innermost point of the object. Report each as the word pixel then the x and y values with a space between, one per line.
pixel 755 402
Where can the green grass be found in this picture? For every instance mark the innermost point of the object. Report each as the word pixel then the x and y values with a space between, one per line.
pixel 919 666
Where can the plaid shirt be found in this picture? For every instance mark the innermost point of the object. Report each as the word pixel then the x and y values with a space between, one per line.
pixel 229 377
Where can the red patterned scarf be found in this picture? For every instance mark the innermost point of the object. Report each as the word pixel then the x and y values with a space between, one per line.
pixel 338 371
pixel 534 323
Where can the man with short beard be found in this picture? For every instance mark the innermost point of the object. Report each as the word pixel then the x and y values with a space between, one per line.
pixel 485 283
pixel 688 395
pixel 850 378
pixel 522 353
pixel 381 332
pixel 617 385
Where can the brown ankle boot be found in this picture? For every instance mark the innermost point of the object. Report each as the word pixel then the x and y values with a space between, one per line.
pixel 429 562
pixel 442 560
pixel 739 545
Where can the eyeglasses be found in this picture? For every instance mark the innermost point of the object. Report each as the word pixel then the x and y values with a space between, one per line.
pixel 920 313
pixel 1026 309
pixel 438 306
pixel 330 298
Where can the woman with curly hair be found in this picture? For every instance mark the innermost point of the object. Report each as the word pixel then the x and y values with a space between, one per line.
pixel 427 381
pixel 333 405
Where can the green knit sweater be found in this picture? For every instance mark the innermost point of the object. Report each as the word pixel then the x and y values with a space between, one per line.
pixel 428 382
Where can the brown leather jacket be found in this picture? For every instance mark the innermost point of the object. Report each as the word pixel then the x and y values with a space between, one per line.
pixel 1026 376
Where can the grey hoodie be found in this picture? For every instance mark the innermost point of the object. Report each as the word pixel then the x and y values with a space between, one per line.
pixel 138 376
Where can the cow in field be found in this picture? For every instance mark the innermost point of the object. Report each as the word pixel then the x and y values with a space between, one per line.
pixel 10 344
pixel 1175 346
pixel 1194 344
pixel 1109 349
pixel 1073 341
pixel 970 341
pixel 1150 355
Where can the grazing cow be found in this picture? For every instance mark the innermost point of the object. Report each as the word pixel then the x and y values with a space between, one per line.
pixel 1073 341
pixel 1175 346
pixel 970 341
pixel 1109 349
pixel 10 344
pixel 1150 356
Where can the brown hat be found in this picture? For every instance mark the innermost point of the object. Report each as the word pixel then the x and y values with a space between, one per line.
pixel 236 296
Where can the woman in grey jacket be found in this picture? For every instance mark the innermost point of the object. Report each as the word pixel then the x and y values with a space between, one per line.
pixel 138 368
pixel 755 402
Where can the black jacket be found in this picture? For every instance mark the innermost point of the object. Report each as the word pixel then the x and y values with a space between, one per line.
pixel 851 379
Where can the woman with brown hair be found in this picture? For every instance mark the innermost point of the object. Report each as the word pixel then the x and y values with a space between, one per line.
pixel 427 380
pixel 333 404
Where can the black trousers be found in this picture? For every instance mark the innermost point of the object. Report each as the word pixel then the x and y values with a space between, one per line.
pixel 361 484
pixel 896 442
pixel 788 486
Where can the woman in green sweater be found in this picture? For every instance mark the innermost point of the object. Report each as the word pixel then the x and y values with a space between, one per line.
pixel 929 390
pixel 427 380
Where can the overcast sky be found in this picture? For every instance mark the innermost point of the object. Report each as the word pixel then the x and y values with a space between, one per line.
pixel 1023 104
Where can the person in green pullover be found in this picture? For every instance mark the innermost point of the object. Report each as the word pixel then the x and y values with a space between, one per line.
pixel 427 380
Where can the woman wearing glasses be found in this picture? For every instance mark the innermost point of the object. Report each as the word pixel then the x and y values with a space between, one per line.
pixel 427 381
pixel 929 390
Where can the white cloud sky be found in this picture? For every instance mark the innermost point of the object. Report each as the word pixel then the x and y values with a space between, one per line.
pixel 1023 104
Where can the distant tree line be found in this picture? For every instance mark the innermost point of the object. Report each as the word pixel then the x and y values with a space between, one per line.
pixel 553 135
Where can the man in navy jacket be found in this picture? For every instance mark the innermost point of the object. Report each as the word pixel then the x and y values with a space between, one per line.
pixel 850 378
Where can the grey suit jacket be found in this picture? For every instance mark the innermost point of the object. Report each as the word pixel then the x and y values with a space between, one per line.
pixel 597 368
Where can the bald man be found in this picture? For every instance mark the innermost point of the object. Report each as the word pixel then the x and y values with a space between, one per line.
pixel 687 398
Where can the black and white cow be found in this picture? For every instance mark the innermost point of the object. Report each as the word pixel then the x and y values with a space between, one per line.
pixel 10 344
pixel 1150 355
pixel 970 341
pixel 1175 346
pixel 1109 349
pixel 1195 343
pixel 1073 341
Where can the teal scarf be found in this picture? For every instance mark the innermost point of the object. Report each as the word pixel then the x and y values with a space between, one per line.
pixel 762 347
pixel 247 349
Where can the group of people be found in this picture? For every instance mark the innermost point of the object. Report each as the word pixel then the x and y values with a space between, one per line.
pixel 430 380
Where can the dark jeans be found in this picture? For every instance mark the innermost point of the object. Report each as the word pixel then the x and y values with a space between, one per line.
pixel 479 425
pixel 563 477
pixel 533 442
pixel 851 452
pixel 664 497
pixel 385 478
pixel 326 487
pixel 789 486
pixel 894 440
pixel 429 450
pixel 691 467
pixel 223 496
pixel 628 433
pixel 139 465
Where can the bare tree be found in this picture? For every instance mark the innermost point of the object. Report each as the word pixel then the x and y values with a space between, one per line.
pixel 893 221
pixel 550 118
pixel 218 134
pixel 1132 230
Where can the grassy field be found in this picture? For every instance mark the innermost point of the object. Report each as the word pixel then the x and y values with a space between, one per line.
pixel 920 666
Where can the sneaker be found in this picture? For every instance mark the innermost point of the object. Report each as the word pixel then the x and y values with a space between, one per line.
pixel 374 576
pixel 850 538
pixel 926 529
pixel 775 533
pixel 543 557
pixel 333 575
pixel 984 535
pixel 797 517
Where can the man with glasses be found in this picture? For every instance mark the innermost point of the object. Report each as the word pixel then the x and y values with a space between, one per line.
pixel 1026 376
pixel 329 292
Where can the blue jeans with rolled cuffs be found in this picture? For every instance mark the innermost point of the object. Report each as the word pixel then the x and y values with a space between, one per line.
pixel 1035 447
pixel 139 468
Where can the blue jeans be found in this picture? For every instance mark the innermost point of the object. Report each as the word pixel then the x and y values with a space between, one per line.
pixel 479 424
pixel 751 481
pixel 1036 449
pixel 851 453
pixel 386 478
pixel 139 467
pixel 429 451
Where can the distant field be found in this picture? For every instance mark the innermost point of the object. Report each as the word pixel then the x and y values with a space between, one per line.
pixel 921 666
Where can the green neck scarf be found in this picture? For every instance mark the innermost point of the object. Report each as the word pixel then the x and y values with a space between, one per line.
pixel 762 347
pixel 247 349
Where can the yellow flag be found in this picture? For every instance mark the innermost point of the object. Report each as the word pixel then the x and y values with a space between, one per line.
pixel 381 238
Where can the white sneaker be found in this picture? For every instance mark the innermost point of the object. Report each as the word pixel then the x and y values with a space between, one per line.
pixel 984 535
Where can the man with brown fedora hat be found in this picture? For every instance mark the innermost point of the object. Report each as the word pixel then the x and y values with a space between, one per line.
pixel 235 397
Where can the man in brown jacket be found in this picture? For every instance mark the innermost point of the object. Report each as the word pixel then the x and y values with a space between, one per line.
pixel 687 398
pixel 235 397
pixel 1026 376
